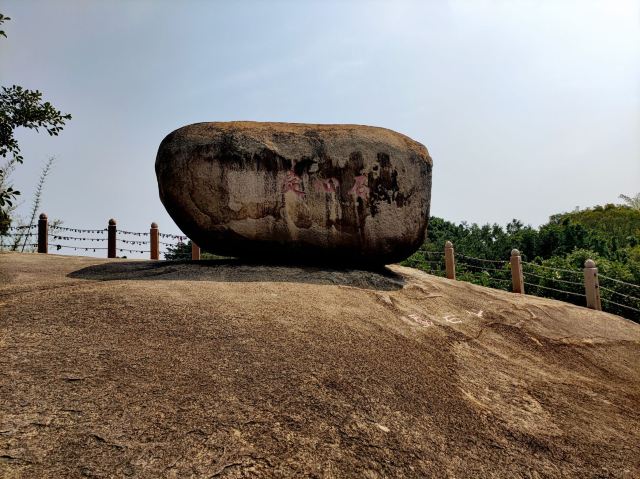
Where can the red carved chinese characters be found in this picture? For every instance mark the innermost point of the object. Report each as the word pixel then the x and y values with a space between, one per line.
pixel 292 182
pixel 360 188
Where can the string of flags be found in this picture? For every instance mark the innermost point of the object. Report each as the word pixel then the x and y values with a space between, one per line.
pixel 20 234
pixel 133 242
pixel 182 256
pixel 91 248
pixel 162 235
pixel 77 230
pixel 26 227
pixel 74 248
pixel 81 230
pixel 133 233
pixel 58 247
pixel 134 250
pixel 80 238
pixel 178 237
pixel 56 233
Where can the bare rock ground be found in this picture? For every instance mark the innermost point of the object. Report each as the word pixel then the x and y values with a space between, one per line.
pixel 116 368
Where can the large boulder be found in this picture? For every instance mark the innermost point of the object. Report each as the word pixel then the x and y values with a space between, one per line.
pixel 299 192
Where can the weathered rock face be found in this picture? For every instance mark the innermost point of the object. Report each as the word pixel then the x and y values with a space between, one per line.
pixel 285 191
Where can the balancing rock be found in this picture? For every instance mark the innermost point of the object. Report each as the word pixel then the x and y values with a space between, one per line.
pixel 297 192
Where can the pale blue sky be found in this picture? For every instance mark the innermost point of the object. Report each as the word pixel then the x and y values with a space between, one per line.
pixel 528 108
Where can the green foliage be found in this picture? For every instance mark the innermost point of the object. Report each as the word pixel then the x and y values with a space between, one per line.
pixel 5 221
pixel 178 251
pixel 20 107
pixel 182 251
pixel 486 241
pixel 23 108
pixel 7 195
pixel 617 226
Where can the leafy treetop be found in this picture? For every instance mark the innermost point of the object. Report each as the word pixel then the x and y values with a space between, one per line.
pixel 20 107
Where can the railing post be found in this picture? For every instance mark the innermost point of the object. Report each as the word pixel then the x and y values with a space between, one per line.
pixel 43 234
pixel 154 239
pixel 111 239
pixel 591 285
pixel 449 260
pixel 195 251
pixel 517 278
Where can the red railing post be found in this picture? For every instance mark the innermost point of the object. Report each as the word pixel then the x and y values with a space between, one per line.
pixel 111 239
pixel 195 251
pixel 43 234
pixel 154 239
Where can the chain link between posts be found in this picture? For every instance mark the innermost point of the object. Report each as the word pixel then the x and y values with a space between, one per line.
pixel 60 240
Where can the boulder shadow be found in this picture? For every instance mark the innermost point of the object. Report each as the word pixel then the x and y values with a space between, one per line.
pixel 234 270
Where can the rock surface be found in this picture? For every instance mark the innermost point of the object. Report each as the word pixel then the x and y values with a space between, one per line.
pixel 296 191
pixel 116 368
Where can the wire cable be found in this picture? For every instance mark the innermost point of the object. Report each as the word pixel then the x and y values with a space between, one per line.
pixel 553 279
pixel 572 271
pixel 483 268
pixel 554 289
pixel 620 294
pixel 620 305
pixel 480 259
pixel 601 276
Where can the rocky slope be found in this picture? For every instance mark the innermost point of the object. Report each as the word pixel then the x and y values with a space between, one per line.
pixel 115 368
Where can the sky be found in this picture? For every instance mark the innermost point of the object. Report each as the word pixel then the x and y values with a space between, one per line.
pixel 528 108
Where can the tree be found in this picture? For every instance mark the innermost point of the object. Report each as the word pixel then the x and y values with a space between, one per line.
pixel 20 107
pixel 178 251
pixel 182 251
pixel 633 202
